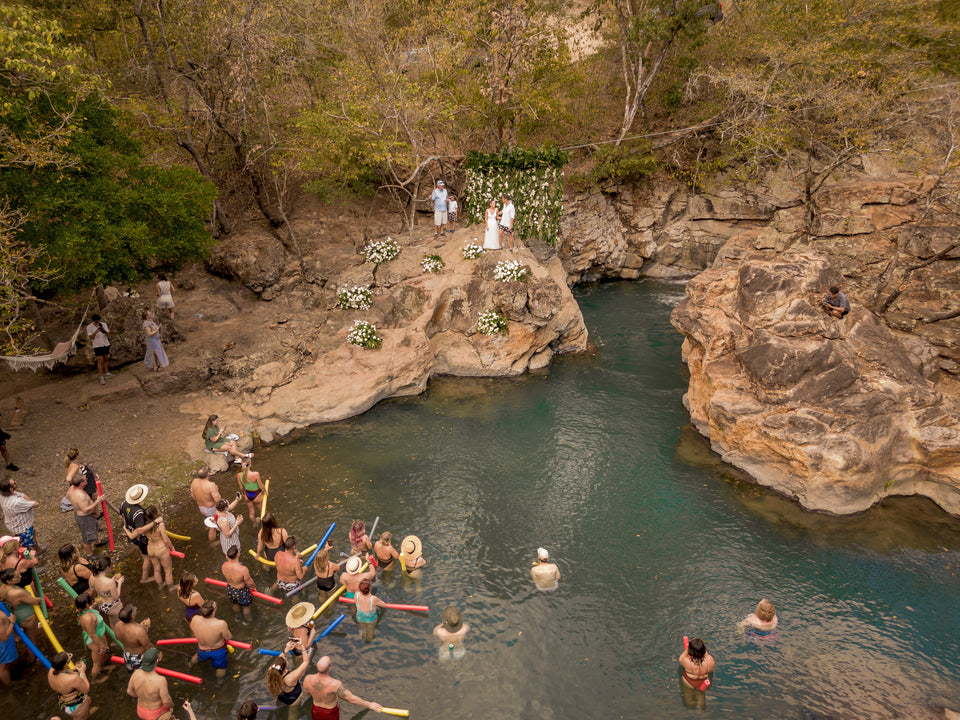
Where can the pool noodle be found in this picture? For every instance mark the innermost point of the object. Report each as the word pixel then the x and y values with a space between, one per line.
pixel 188 640
pixel 403 562
pixel 273 653
pixel 396 711
pixel 321 544
pixel 48 631
pixel 686 642
pixel 106 516
pixel 394 606
pixel 36 581
pixel 374 528
pixel 48 602
pixel 26 639
pixel 329 628
pixel 177 554
pixel 263 505
pixel 72 593
pixel 329 601
pixel 163 671
pixel 263 560
pixel 256 594
pixel 178 537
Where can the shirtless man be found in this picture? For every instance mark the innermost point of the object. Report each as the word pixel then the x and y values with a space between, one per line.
pixel 150 689
pixel 133 636
pixel 327 692
pixel 545 573
pixel 85 512
pixel 239 584
pixel 352 577
pixel 71 686
pixel 450 632
pixel 206 495
pixel 212 636
pixel 289 566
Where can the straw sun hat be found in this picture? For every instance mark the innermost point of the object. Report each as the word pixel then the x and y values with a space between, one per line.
pixel 136 494
pixel 411 547
pixel 300 614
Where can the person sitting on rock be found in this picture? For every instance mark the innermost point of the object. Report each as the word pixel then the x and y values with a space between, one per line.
pixel 216 439
pixel 835 303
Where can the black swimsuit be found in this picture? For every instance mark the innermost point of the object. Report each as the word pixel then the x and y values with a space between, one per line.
pixel 289 697
pixel 327 583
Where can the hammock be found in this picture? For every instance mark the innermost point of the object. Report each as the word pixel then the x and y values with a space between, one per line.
pixel 60 353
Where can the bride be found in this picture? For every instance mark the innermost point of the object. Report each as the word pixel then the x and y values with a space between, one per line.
pixel 491 235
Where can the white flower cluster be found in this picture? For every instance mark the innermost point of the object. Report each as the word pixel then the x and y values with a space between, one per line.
pixel 537 194
pixel 432 263
pixel 471 251
pixel 355 297
pixel 365 335
pixel 490 322
pixel 507 270
pixel 381 251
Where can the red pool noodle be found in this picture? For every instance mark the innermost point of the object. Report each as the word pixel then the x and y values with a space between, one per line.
pixel 106 516
pixel 48 602
pixel 188 640
pixel 177 554
pixel 393 606
pixel 164 671
pixel 256 594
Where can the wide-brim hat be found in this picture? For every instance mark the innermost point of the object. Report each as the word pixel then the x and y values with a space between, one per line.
pixel 411 547
pixel 353 566
pixel 211 523
pixel 136 494
pixel 300 614
pixel 451 619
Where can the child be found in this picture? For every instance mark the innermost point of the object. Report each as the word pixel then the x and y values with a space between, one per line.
pixel 452 211
pixel 763 620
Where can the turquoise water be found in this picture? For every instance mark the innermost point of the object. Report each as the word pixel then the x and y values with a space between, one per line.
pixel 593 460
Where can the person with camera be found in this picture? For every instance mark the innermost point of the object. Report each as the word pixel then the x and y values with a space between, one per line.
pixel 99 335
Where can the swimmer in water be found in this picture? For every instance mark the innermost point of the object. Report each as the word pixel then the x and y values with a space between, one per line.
pixel 697 664
pixel 450 632
pixel 763 620
pixel 545 573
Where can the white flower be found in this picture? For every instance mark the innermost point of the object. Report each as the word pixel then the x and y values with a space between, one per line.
pixel 471 251
pixel 490 322
pixel 508 270
pixel 381 251
pixel 355 297
pixel 432 263
pixel 363 334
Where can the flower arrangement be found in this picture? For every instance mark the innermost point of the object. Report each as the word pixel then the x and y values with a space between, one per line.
pixel 355 297
pixel 532 178
pixel 363 334
pixel 507 270
pixel 381 251
pixel 471 251
pixel 432 263
pixel 490 322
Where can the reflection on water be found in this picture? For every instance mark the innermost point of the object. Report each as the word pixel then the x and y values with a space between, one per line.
pixel 589 460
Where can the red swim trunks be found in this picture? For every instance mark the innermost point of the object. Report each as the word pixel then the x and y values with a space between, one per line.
pixel 145 714
pixel 322 713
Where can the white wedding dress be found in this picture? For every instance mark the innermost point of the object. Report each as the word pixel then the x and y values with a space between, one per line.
pixel 491 235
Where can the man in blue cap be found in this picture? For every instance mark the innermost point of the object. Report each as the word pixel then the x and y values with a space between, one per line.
pixel 439 198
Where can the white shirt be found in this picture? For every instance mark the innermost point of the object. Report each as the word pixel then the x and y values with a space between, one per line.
pixel 99 338
pixel 507 215
pixel 451 206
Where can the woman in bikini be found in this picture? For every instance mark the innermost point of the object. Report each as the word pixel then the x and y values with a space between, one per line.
pixel 20 603
pixel 252 488
pixel 93 630
pixel 74 569
pixel 189 596
pixel 271 537
pixel 386 553
pixel 159 547
pixel 71 686
pixel 697 664
pixel 10 559
pixel 107 589
pixel 287 685
pixel 367 605
pixel 359 540
pixel 325 568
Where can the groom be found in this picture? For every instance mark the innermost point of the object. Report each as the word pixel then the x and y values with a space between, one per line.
pixel 507 215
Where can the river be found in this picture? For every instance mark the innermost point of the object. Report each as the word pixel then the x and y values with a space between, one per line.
pixel 593 460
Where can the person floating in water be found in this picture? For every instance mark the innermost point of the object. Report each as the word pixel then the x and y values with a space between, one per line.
pixel 545 573
pixel 763 620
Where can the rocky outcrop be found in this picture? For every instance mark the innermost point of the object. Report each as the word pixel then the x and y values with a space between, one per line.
pixel 835 413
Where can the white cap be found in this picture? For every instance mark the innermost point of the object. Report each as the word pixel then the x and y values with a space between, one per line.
pixel 543 554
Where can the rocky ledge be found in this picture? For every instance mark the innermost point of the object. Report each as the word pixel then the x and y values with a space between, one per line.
pixel 837 414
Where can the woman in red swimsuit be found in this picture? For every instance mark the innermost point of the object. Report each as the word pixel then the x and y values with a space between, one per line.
pixel 697 665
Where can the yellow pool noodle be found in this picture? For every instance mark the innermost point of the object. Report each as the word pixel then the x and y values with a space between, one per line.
pixel 266 491
pixel 403 562
pixel 178 537
pixel 396 711
pixel 48 631
pixel 271 563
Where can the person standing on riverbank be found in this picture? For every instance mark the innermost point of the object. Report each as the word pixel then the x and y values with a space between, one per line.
pixel 155 357
pixel 99 335
pixel 212 636
pixel 165 295
pixel 206 495
pixel 4 453
pixel 507 216
pixel 18 513
pixel 545 573
pixel 327 692
pixel 439 197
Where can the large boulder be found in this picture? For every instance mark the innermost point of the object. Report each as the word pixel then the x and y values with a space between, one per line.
pixel 256 258
pixel 834 413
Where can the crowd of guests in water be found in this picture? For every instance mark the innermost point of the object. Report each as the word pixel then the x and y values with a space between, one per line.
pixel 104 617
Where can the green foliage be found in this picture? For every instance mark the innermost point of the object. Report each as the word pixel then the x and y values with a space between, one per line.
pixel 105 216
pixel 508 160
pixel 624 162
